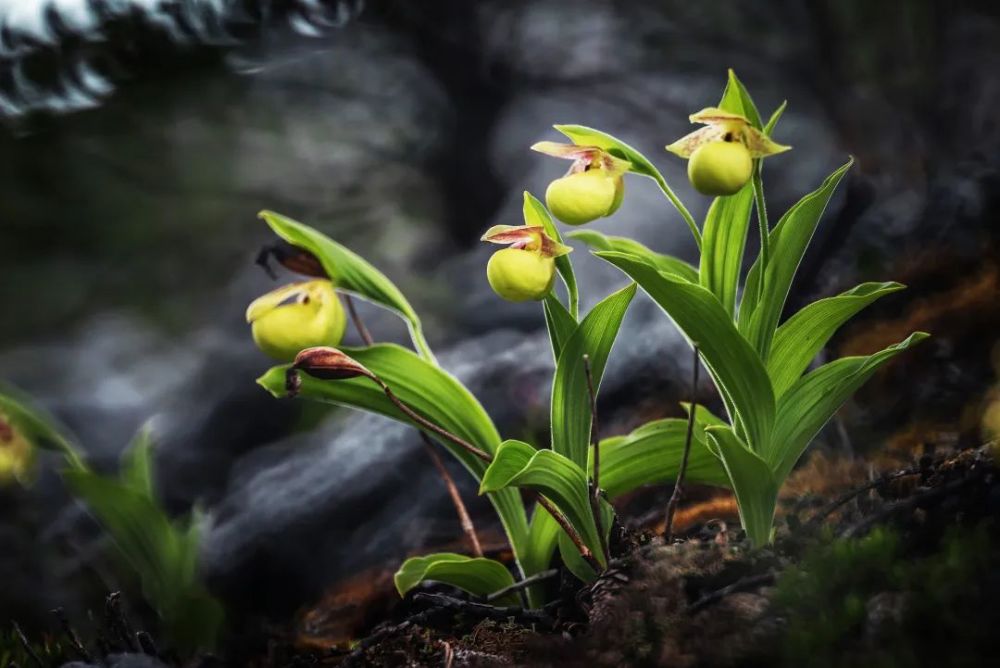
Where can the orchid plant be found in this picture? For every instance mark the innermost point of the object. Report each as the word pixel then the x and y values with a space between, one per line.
pixel 160 550
pixel 774 406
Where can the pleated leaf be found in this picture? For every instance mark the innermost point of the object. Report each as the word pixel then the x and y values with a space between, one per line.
pixel 351 272
pixel 562 482
pixel 751 480
pixel 667 263
pixel 758 319
pixel 734 365
pixel 812 401
pixel 799 340
pixel 652 455
pixel 430 391
pixel 476 575
pixel 724 239
pixel 570 408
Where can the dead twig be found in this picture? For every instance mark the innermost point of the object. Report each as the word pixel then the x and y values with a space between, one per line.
pixel 832 507
pixel 909 504
pixel 70 632
pixel 675 496
pixel 523 584
pixel 25 645
pixel 743 584
pixel 358 323
pixel 595 485
pixel 456 499
pixel 524 616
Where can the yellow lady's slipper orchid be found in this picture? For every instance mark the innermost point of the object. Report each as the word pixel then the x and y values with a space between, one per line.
pixel 297 316
pixel 526 270
pixel 17 453
pixel 721 153
pixel 720 168
pixel 593 188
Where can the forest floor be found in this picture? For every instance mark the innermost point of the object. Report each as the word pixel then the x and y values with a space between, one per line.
pixel 901 570
pixel 894 567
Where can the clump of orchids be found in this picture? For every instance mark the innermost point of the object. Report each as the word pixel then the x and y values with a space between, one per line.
pixel 774 404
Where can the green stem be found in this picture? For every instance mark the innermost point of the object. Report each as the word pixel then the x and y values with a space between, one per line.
pixel 421 343
pixel 685 214
pixel 765 230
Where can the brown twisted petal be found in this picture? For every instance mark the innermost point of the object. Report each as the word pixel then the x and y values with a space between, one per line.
pixel 328 363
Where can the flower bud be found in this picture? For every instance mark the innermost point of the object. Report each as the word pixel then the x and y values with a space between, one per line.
pixel 328 363
pixel 297 316
pixel 519 275
pixel 17 453
pixel 720 168
pixel 581 197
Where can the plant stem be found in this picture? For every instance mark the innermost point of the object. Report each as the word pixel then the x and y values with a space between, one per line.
pixel 463 514
pixel 675 496
pixel 486 457
pixel 765 233
pixel 430 426
pixel 685 214
pixel 595 488
pixel 363 332
pixel 561 520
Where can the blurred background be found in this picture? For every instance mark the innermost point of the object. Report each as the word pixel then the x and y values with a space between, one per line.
pixel 141 137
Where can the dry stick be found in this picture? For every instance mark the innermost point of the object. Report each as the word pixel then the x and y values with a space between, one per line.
pixel 675 496
pixel 595 491
pixel 585 552
pixel 523 584
pixel 25 645
pixel 356 319
pixel 463 514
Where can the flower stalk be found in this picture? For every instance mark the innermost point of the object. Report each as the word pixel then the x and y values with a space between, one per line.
pixel 678 492
pixel 595 483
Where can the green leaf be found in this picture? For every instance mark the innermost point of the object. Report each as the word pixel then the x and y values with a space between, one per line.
pixel 737 100
pixel 570 406
pixel 350 272
pixel 137 463
pixel 652 454
pixel 726 227
pixel 562 482
pixel 510 459
pixel 162 555
pixel 536 214
pixel 812 401
pixel 639 164
pixel 735 367
pixel 797 342
pixel 667 263
pixel 475 575
pixel 775 117
pixel 751 480
pixel 430 391
pixel 570 553
pixel 543 535
pixel 559 322
pixel 788 242
pixel 37 425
